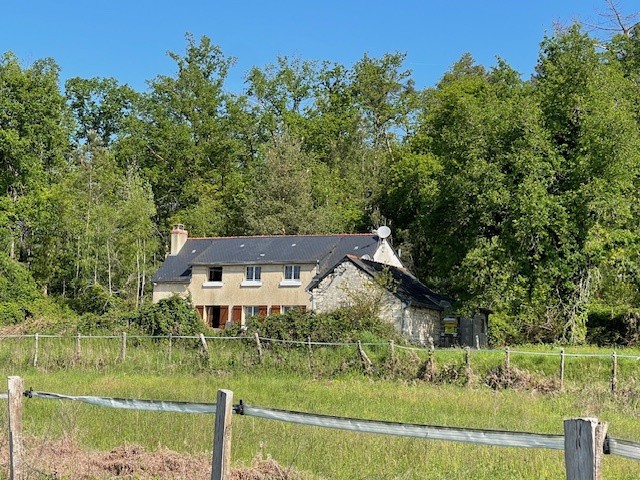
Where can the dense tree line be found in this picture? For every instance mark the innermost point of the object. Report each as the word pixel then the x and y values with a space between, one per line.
pixel 520 195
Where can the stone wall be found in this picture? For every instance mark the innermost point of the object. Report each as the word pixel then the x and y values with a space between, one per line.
pixel 347 285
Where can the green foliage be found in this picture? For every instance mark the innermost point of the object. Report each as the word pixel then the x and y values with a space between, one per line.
pixel 174 315
pixel 343 325
pixel 94 299
pixel 503 330
pixel 517 195
pixel 18 292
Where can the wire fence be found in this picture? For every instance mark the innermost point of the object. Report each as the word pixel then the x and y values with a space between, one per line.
pixel 500 438
pixel 149 353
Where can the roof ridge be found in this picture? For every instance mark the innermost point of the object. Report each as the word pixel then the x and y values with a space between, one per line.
pixel 286 236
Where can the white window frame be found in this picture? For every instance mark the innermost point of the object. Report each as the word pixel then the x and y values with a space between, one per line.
pixel 250 279
pixel 291 276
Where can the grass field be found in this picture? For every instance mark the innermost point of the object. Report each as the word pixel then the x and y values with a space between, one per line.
pixel 328 383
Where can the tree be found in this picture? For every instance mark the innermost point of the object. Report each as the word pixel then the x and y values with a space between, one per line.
pixel 282 202
pixel 99 105
pixel 34 133
pixel 187 136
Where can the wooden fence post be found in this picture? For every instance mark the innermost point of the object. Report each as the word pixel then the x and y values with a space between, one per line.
pixel 16 389
pixel 78 346
pixel 310 353
pixel 507 358
pixel 367 366
pixel 256 337
pixel 170 347
pixel 614 372
pixel 392 352
pixel 205 348
pixel 583 448
pixel 467 361
pixel 562 369
pixel 35 350
pixel 220 467
pixel 123 347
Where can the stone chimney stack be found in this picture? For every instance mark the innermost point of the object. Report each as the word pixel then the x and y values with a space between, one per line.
pixel 178 239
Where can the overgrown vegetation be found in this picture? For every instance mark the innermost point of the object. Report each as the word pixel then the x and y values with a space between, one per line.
pixel 344 325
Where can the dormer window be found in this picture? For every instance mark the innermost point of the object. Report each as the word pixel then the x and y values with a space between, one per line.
pixel 252 277
pixel 291 277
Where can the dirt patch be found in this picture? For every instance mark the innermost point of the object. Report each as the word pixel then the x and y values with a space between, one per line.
pixel 63 459
pixel 502 377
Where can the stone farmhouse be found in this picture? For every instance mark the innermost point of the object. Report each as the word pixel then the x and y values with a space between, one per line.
pixel 231 279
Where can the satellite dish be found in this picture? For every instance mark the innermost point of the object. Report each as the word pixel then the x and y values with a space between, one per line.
pixel 383 232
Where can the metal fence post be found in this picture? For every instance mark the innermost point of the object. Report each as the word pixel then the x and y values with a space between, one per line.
pixel 562 369
pixel 35 350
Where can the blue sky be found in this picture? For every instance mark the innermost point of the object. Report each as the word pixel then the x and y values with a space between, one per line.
pixel 128 40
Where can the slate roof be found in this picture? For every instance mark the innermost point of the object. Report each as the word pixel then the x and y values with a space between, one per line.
pixel 177 268
pixel 326 250
pixel 405 286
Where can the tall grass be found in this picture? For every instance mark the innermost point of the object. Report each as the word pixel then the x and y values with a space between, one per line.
pixel 329 381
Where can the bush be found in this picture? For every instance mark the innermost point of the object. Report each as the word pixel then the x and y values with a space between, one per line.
pixel 343 325
pixel 503 331
pixel 18 292
pixel 174 315
pixel 95 299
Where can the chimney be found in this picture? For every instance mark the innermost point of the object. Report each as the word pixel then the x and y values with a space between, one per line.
pixel 178 239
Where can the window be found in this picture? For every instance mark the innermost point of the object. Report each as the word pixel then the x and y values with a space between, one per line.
pixel 253 274
pixel 292 272
pixel 251 311
pixel 291 276
pixel 215 274
pixel 252 277
pixel 255 311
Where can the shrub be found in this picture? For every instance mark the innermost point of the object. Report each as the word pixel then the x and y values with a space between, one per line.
pixel 174 315
pixel 18 291
pixel 503 330
pixel 95 299
pixel 342 325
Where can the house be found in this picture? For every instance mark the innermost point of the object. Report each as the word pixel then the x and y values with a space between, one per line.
pixel 231 279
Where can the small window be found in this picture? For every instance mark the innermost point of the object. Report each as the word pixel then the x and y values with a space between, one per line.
pixel 253 274
pixel 215 274
pixel 292 272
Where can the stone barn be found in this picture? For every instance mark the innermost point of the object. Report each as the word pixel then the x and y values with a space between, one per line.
pixel 415 310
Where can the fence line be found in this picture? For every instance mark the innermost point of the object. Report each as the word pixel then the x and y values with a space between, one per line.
pixel 298 342
pixel 500 438
pixel 368 367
